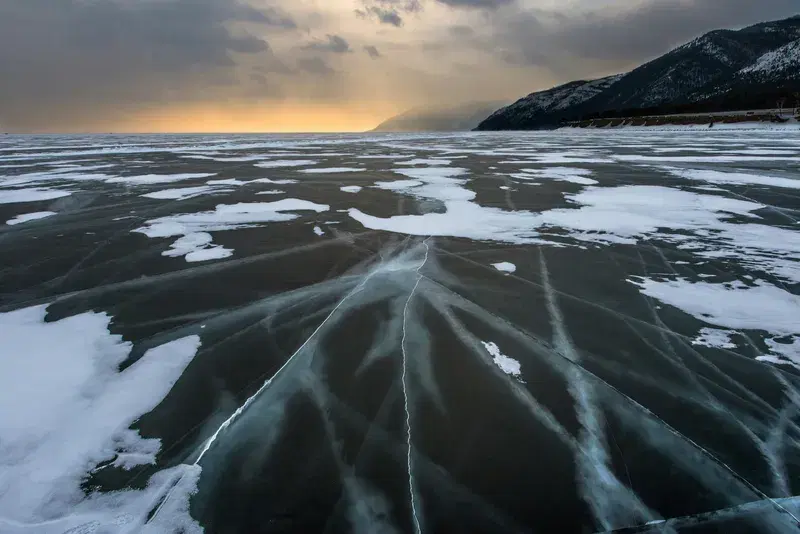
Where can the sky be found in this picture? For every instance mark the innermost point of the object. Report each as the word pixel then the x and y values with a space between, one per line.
pixel 318 65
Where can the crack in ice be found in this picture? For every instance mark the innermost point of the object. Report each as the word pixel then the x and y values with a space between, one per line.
pixel 414 515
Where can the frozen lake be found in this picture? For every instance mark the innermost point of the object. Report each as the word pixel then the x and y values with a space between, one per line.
pixel 573 331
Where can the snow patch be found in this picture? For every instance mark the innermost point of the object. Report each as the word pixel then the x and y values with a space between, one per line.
pixel 196 243
pixel 505 267
pixel 509 366
pixel 73 409
pixel 25 217
pixel 350 188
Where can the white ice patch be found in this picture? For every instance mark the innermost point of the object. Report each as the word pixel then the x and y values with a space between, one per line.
pixel 227 181
pixel 713 337
pixel 628 213
pixel 462 219
pixel 274 182
pixel 332 170
pixel 397 185
pixel 505 267
pixel 786 352
pixel 731 305
pixel 509 366
pixel 423 161
pixel 564 174
pixel 180 193
pixel 318 231
pixel 700 159
pixel 72 410
pixel 278 163
pixel 25 217
pixel 351 188
pixel 736 178
pixel 271 192
pixel 13 196
pixel 196 243
pixel 147 179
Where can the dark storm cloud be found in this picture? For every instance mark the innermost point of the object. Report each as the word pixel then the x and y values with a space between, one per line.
pixel 333 43
pixel 315 65
pixel 372 51
pixel 61 60
pixel 388 11
pixel 637 34
pixel 477 4
pixel 384 16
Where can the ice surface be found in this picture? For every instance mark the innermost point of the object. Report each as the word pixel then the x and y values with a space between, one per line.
pixel 13 196
pixel 656 320
pixel 72 410
pixel 350 188
pixel 25 217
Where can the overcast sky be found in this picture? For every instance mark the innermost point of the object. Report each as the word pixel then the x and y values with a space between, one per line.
pixel 318 65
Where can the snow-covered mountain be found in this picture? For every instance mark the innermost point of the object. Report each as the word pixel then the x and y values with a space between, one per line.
pixel 721 69
pixel 783 62
pixel 544 104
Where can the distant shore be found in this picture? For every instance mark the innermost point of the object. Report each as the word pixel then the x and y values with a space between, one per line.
pixel 747 119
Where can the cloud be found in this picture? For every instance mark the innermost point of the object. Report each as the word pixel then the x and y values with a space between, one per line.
pixel 62 60
pixel 334 44
pixel 627 35
pixel 315 65
pixel 477 4
pixel 384 16
pixel 372 51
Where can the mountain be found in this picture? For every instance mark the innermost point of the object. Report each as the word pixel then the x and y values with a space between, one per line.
pixel 715 72
pixel 544 106
pixel 463 117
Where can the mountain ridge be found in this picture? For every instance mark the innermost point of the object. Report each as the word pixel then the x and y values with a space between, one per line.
pixel 720 69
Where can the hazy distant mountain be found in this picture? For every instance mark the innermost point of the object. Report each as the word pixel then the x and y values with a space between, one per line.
pixel 722 70
pixel 463 117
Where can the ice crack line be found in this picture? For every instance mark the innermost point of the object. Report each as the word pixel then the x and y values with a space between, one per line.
pixel 266 384
pixel 411 490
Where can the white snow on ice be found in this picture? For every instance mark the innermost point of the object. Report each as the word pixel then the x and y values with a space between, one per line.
pixel 565 174
pixel 73 409
pixel 195 242
pixel 332 170
pixel 735 178
pixel 13 196
pixel 180 193
pixel 278 163
pixel 147 179
pixel 713 337
pixel 509 366
pixel 351 188
pixel 25 217
pixel 505 267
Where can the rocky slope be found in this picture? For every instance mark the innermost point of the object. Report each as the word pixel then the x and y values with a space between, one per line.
pixel 720 70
